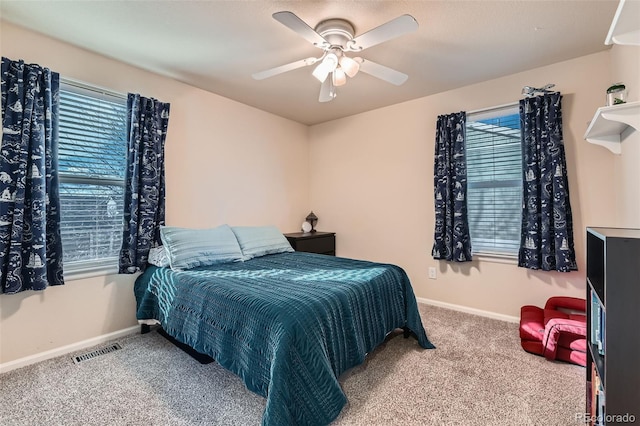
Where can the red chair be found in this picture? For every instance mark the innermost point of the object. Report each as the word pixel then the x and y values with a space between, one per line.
pixel 557 332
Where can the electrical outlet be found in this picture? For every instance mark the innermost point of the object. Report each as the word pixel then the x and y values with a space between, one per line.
pixel 432 273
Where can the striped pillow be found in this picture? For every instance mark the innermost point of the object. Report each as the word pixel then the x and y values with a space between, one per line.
pixel 189 248
pixel 256 241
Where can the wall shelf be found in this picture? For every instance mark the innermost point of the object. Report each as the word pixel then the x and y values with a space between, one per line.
pixel 610 122
pixel 625 28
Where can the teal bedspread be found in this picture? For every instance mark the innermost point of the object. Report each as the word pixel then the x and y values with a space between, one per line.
pixel 288 324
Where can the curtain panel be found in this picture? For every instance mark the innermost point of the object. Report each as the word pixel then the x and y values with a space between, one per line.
pixel 451 237
pixel 30 243
pixel 547 223
pixel 144 200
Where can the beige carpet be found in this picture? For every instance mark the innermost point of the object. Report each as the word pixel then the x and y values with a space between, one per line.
pixel 478 375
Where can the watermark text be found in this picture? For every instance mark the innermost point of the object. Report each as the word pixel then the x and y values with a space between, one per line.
pixel 605 419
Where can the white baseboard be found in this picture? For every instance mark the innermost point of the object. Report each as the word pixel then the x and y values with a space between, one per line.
pixel 468 310
pixel 42 356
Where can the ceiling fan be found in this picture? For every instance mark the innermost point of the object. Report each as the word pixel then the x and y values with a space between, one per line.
pixel 336 37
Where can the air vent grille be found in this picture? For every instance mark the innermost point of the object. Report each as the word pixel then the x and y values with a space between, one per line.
pixel 77 359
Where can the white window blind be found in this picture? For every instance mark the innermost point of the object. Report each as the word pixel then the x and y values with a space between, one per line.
pixel 92 164
pixel 494 180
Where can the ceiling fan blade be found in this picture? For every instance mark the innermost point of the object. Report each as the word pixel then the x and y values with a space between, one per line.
pixel 383 73
pixel 290 20
pixel 396 27
pixel 327 90
pixel 284 68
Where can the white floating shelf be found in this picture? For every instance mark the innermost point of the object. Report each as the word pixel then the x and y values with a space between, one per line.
pixel 610 122
pixel 625 28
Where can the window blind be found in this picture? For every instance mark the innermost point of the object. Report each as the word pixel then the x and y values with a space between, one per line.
pixel 494 179
pixel 92 165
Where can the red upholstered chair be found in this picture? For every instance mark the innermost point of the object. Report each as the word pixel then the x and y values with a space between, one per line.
pixel 557 332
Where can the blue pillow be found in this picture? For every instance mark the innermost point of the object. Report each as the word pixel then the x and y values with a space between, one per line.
pixel 189 248
pixel 256 241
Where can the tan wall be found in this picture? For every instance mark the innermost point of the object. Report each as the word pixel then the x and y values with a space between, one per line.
pixel 225 163
pixel 625 67
pixel 372 183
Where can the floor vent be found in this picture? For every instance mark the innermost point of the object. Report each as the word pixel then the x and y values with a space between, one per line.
pixel 90 355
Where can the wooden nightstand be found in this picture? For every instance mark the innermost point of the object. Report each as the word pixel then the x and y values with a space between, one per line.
pixel 313 242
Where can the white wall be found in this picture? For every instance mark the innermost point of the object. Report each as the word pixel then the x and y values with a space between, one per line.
pixel 625 67
pixel 372 183
pixel 225 163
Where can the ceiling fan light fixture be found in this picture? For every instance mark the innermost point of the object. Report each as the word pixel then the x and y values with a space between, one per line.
pixel 321 72
pixel 339 77
pixel 327 66
pixel 349 66
pixel 331 61
pixel 335 37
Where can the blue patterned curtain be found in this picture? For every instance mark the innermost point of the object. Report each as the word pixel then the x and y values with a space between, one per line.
pixel 547 225
pixel 30 245
pixel 147 121
pixel 451 236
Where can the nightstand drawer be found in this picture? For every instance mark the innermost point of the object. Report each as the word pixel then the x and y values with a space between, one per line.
pixel 325 244
pixel 317 242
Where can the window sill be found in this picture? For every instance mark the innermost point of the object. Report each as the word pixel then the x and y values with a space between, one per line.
pixel 496 258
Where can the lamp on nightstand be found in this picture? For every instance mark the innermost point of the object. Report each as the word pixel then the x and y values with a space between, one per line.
pixel 312 219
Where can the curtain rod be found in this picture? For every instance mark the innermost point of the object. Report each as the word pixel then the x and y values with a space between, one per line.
pixel 476 111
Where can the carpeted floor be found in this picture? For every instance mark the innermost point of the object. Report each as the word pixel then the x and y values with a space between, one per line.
pixel 478 375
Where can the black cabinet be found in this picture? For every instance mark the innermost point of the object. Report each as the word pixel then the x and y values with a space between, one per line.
pixel 613 326
pixel 313 242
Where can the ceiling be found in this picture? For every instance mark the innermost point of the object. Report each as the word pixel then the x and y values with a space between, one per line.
pixel 217 45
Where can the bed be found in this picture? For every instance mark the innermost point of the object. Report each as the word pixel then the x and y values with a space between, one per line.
pixel 287 324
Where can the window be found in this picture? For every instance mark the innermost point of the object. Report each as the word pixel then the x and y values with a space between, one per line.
pixel 494 181
pixel 92 166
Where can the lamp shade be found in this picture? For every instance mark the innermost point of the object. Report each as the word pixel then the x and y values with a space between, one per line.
pixel 339 77
pixel 349 66
pixel 321 72
pixel 328 64
pixel 331 61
